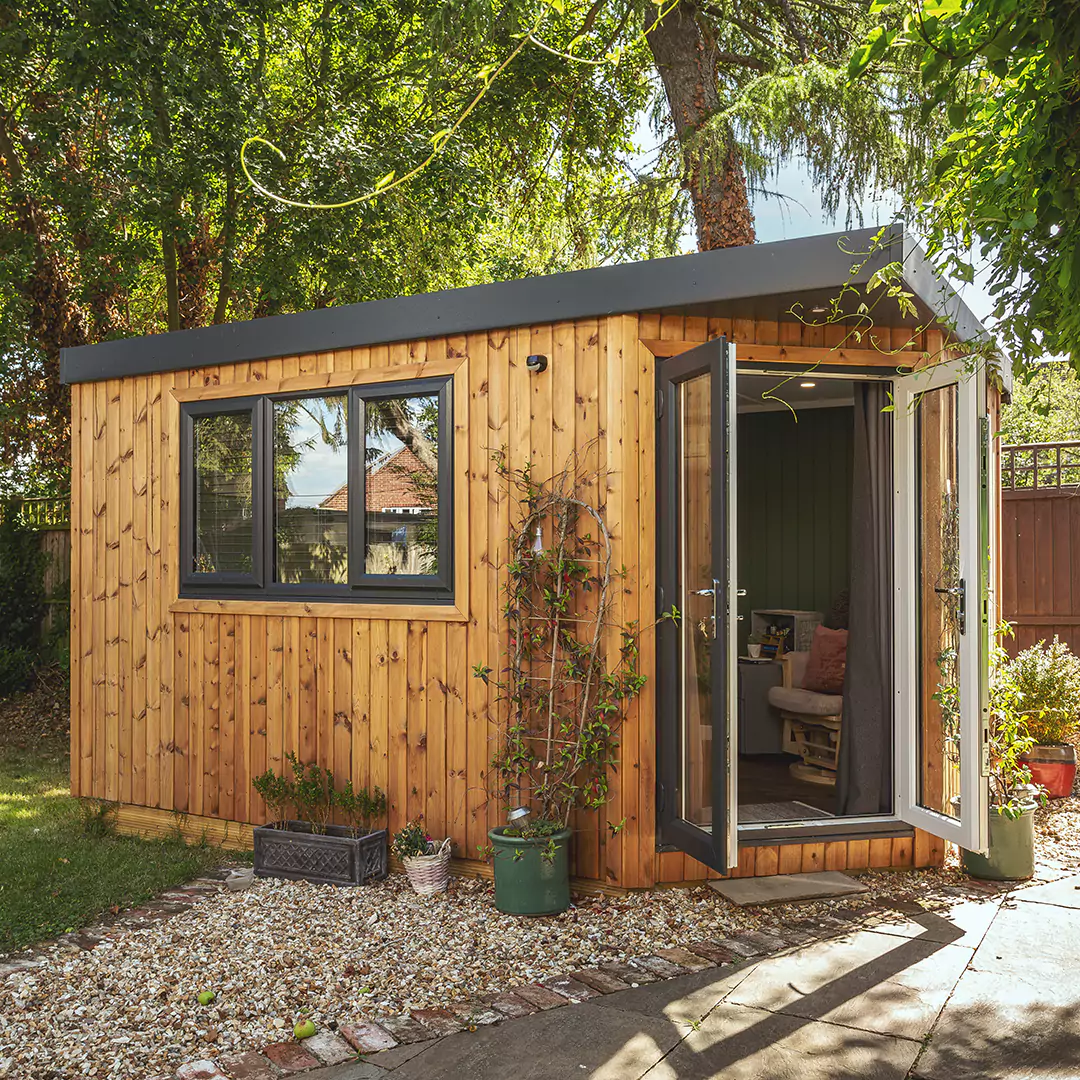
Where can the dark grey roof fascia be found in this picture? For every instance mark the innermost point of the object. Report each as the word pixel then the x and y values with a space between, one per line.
pixel 787 266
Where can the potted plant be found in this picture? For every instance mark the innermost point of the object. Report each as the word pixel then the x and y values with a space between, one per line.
pixel 1047 678
pixel 1013 798
pixel 753 646
pixel 569 675
pixel 427 863
pixel 310 847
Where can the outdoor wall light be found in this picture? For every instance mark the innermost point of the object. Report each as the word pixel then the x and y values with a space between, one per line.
pixel 536 363
pixel 817 311
pixel 808 385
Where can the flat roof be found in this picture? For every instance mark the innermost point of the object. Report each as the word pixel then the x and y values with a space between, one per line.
pixel 757 281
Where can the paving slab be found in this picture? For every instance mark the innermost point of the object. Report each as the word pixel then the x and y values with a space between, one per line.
pixel 685 1000
pixel 1007 1027
pixel 786 888
pixel 1031 941
pixel 577 1042
pixel 1065 892
pixel 738 1043
pixel 393 1059
pixel 964 923
pixel 874 982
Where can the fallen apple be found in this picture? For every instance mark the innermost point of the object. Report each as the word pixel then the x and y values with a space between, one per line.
pixel 303 1029
pixel 206 996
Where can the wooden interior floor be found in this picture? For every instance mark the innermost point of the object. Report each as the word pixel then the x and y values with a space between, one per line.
pixel 764 778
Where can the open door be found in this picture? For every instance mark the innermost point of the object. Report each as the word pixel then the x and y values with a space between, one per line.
pixel 941 474
pixel 697 662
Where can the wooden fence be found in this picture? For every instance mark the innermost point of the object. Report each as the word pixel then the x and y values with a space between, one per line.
pixel 1041 542
pixel 50 518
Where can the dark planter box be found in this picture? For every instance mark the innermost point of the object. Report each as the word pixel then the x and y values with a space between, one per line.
pixel 335 857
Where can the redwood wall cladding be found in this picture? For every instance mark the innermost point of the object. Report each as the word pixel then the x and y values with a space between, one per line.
pixel 176 705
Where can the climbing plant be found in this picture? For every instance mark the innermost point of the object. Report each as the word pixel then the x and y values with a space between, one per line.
pixel 571 668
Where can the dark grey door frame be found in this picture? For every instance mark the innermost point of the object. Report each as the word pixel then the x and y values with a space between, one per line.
pixel 709 847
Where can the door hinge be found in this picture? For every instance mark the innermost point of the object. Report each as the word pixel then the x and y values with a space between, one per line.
pixel 661 798
pixel 659 404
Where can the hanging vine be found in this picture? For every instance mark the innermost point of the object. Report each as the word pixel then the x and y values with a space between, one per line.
pixel 571 669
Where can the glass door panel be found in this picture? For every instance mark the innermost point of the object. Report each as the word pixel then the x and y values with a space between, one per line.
pixel 696 655
pixel 941 573
pixel 696 595
pixel 940 599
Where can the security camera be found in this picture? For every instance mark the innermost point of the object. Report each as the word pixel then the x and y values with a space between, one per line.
pixel 536 364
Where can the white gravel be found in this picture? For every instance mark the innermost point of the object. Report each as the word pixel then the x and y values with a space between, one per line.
pixel 282 950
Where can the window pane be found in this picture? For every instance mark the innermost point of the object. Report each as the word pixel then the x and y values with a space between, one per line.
pixel 939 621
pixel 222 453
pixel 401 534
pixel 311 494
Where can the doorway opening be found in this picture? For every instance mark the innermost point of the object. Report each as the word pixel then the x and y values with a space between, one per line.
pixel 802 688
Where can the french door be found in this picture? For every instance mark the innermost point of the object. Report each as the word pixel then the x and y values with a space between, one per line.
pixel 941 562
pixel 942 575
pixel 697 655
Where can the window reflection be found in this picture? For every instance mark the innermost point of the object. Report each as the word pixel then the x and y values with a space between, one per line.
pixel 311 505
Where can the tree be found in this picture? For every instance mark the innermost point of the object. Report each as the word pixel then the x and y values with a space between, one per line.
pixel 1045 406
pixel 123 209
pixel 1004 75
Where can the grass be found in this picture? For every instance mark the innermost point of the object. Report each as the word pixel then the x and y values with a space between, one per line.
pixel 61 865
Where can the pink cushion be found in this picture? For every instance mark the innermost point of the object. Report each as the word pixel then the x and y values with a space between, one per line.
pixel 828 658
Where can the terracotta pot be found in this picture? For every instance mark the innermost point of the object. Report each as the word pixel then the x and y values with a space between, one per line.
pixel 1054 767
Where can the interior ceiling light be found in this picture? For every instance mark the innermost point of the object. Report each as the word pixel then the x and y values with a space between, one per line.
pixel 808 385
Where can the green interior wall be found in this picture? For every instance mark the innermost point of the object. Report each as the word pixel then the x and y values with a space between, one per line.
pixel 794 497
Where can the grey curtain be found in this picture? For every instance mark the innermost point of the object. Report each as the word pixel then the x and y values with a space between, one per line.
pixel 864 775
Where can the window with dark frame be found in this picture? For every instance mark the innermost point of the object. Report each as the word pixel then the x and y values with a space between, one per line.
pixel 337 494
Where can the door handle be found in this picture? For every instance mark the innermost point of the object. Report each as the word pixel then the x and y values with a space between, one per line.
pixel 714 592
pixel 960 592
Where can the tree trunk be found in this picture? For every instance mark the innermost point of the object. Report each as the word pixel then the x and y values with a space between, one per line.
pixel 687 62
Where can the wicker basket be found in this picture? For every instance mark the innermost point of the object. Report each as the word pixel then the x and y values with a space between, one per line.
pixel 429 873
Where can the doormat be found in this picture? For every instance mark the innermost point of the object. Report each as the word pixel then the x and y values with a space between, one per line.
pixel 779 811
pixel 787 888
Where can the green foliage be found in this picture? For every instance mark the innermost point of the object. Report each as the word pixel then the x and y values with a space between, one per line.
pixel 310 789
pixel 1010 778
pixel 1047 682
pixel 411 841
pixel 360 808
pixel 571 671
pixel 276 791
pixel 312 792
pixel 99 817
pixel 534 829
pixel 1003 76
pixel 22 602
pixel 1045 406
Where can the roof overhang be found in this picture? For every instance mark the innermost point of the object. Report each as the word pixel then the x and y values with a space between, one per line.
pixel 763 281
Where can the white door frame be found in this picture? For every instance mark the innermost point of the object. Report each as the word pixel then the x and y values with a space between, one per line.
pixel 969 830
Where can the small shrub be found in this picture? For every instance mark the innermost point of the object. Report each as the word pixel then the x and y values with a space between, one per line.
pixel 276 791
pixel 313 792
pixel 1047 681
pixel 360 808
pixel 412 841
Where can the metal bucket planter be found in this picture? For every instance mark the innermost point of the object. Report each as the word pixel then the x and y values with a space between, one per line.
pixel 335 857
pixel 1011 856
pixel 525 882
pixel 1054 767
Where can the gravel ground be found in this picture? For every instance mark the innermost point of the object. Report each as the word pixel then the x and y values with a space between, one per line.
pixel 284 949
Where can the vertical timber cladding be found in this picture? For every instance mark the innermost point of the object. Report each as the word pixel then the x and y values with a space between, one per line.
pixel 176 705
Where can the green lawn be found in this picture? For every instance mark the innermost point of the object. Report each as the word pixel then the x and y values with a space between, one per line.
pixel 55 873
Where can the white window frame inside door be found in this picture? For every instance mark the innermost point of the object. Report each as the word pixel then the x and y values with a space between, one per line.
pixel 969 830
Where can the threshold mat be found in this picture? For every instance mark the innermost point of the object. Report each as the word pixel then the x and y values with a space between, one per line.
pixel 779 811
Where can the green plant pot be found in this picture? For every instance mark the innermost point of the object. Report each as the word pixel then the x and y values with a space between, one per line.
pixel 1012 849
pixel 525 882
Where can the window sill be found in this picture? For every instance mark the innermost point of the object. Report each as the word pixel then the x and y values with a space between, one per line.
pixel 322 610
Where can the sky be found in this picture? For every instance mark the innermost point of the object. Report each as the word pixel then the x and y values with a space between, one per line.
pixel 801 214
